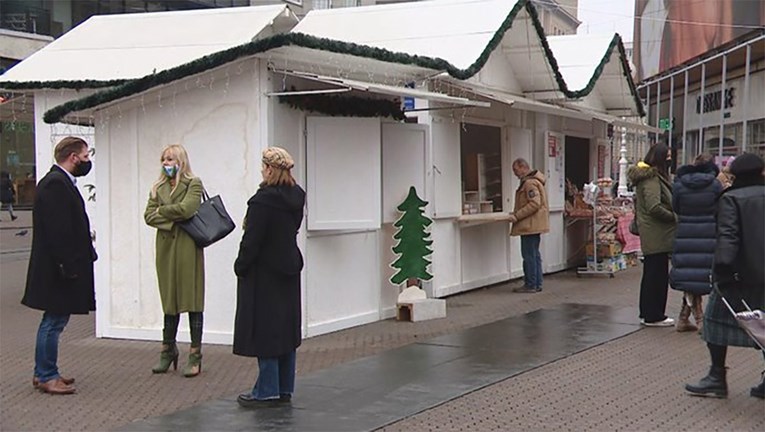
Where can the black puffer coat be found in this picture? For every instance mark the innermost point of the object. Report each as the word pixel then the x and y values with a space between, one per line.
pixel 694 200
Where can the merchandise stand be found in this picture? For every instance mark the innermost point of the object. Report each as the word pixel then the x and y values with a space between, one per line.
pixel 592 199
pixel 610 250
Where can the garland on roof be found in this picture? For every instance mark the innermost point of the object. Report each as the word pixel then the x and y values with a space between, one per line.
pixel 345 106
pixel 302 40
pixel 60 84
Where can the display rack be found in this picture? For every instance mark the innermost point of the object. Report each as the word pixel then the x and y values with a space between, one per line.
pixel 604 253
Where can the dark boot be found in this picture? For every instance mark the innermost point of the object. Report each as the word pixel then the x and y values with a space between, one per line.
pixel 168 356
pixel 194 365
pixel 759 391
pixel 712 385
pixel 683 323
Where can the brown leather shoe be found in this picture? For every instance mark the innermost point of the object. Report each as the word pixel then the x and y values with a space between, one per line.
pixel 67 381
pixel 56 386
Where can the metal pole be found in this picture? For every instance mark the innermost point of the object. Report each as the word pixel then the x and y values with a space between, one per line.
pixel 685 120
pixel 658 106
pixel 746 96
pixel 700 147
pixel 671 109
pixel 648 105
pixel 722 106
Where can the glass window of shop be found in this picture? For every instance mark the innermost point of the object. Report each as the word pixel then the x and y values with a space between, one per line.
pixel 481 155
pixel 56 17
pixel 17 151
pixel 733 135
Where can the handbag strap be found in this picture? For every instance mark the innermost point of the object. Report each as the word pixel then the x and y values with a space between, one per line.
pixel 205 196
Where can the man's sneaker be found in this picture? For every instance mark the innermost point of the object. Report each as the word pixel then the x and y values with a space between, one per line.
pixel 667 322
pixel 524 289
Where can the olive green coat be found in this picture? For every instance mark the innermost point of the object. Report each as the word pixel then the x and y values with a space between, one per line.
pixel 180 263
pixel 653 209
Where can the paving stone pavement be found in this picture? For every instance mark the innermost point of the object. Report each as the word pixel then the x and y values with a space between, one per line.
pixel 633 383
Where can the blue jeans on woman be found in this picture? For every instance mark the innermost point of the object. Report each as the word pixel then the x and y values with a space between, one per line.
pixel 46 348
pixel 532 261
pixel 276 377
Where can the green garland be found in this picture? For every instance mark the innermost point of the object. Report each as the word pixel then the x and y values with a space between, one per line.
pixel 61 84
pixel 302 40
pixel 345 106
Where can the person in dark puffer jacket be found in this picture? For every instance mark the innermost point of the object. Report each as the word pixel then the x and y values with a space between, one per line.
pixel 694 199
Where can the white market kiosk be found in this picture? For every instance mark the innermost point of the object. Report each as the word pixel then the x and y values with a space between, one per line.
pixel 225 109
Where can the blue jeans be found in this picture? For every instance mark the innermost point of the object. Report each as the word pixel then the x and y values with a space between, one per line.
pixel 532 260
pixel 46 349
pixel 276 377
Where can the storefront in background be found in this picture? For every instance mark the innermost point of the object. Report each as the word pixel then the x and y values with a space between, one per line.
pixel 713 103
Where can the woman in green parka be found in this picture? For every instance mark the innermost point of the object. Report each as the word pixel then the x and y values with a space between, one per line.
pixel 656 222
pixel 175 197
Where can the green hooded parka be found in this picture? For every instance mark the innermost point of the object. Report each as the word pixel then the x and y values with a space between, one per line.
pixel 653 209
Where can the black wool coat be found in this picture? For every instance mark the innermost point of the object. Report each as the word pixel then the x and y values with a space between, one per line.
pixel 268 314
pixel 60 274
pixel 694 200
pixel 739 262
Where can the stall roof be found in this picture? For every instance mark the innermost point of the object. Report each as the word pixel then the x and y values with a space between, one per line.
pixel 110 49
pixel 464 33
pixel 416 45
pixel 457 31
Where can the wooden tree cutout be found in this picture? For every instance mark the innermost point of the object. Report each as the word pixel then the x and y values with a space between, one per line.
pixel 413 241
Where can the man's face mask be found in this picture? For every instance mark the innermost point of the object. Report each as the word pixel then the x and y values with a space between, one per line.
pixel 82 168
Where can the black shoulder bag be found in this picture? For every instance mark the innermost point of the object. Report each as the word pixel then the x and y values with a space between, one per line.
pixel 210 223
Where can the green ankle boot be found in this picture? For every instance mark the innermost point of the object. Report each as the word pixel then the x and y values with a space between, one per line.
pixel 194 365
pixel 168 356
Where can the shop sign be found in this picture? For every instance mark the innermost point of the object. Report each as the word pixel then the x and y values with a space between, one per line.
pixel 552 146
pixel 665 124
pixel 714 101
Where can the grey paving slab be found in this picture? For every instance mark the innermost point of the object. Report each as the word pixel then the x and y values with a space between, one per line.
pixel 372 392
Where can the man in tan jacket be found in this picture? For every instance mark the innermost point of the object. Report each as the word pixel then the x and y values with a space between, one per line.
pixel 530 218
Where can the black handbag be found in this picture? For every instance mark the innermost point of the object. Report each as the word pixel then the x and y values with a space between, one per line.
pixel 634 227
pixel 210 223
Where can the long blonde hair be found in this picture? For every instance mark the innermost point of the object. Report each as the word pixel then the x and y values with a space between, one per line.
pixel 184 167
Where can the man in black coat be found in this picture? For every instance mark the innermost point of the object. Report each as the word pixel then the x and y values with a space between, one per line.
pixel 60 275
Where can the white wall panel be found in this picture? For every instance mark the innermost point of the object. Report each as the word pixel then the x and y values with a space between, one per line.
pixel 343 281
pixel 484 254
pixel 447 170
pixel 220 137
pixel 344 162
pixel 447 271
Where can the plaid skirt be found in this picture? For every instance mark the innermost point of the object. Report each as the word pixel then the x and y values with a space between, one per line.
pixel 720 327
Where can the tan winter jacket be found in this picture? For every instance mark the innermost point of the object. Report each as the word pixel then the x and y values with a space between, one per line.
pixel 531 207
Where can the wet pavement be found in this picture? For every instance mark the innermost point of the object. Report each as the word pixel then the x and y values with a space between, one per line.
pixel 458 373
pixel 370 393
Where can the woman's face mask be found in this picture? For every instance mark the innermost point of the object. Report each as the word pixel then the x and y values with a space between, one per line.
pixel 170 170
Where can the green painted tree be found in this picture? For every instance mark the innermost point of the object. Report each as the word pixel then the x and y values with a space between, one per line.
pixel 413 241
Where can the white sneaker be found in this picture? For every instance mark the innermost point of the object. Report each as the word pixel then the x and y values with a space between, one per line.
pixel 668 322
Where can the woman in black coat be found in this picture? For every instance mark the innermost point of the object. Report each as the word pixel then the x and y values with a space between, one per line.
pixel 268 315
pixel 738 271
pixel 694 200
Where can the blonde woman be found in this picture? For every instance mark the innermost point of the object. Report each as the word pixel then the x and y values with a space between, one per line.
pixel 267 323
pixel 175 197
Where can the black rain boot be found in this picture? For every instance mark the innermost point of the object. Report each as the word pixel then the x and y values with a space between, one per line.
pixel 712 385
pixel 759 391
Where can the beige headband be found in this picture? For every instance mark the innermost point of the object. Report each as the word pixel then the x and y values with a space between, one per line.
pixel 277 157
